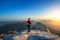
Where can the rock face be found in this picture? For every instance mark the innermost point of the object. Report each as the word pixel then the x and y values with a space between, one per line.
pixel 42 36
pixel 33 35
pixel 8 37
pixel 1 39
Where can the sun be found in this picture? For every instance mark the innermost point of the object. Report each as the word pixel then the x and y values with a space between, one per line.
pixel 54 13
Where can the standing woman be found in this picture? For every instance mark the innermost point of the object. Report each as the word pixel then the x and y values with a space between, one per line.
pixel 29 23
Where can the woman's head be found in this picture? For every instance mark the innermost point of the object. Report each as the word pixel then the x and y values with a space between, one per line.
pixel 28 19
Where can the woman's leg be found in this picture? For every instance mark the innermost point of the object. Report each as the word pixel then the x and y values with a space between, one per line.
pixel 28 28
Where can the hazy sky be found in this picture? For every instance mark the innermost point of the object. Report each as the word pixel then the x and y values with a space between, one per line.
pixel 18 9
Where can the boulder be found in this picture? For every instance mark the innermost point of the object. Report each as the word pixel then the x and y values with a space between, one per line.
pixel 2 35
pixel 11 32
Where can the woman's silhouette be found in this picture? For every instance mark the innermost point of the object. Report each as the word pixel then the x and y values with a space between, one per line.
pixel 29 23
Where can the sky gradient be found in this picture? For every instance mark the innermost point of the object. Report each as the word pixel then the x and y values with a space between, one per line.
pixel 22 9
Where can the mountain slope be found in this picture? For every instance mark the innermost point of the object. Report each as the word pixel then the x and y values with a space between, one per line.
pixel 14 26
pixel 40 26
pixel 33 35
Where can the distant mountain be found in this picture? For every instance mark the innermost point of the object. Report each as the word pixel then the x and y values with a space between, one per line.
pixel 8 22
pixel 20 26
pixel 13 26
pixel 39 26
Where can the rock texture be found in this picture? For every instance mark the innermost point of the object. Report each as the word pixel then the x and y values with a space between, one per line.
pixel 33 35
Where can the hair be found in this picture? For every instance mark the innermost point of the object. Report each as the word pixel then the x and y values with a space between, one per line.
pixel 28 18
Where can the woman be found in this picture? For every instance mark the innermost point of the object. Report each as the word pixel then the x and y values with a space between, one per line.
pixel 29 23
